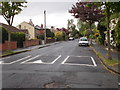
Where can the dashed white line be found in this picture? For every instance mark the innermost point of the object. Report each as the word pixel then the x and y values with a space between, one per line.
pixel 30 59
pixel 65 59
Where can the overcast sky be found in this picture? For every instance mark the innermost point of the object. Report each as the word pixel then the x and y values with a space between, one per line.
pixel 56 13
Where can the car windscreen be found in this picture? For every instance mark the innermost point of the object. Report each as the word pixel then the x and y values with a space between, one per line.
pixel 83 39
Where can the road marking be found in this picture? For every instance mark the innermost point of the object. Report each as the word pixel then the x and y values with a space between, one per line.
pixel 94 63
pixel 38 61
pixel 79 64
pixel 65 59
pixel 16 60
pixel 56 59
pixel 4 58
pixel 30 59
pixel 41 62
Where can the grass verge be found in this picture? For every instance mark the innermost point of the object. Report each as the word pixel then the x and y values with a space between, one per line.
pixel 107 61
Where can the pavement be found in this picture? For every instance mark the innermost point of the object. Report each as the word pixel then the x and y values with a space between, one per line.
pixel 35 47
pixel 115 55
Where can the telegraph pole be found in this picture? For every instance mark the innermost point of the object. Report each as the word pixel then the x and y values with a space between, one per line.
pixel 44 26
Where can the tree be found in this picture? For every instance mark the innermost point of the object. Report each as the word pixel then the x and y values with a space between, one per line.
pixel 109 9
pixel 87 12
pixel 9 10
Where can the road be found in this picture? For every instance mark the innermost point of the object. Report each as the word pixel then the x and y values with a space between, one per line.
pixel 63 65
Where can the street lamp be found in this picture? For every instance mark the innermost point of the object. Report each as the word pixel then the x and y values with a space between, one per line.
pixel 44 26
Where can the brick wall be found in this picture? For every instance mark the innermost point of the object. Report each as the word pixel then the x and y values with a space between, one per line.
pixel 31 43
pixel 4 46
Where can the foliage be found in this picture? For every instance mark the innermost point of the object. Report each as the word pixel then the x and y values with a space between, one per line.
pixel 100 40
pixel 117 34
pixel 10 9
pixel 49 33
pixel 4 34
pixel 59 35
pixel 87 12
pixel 19 37
pixel 40 37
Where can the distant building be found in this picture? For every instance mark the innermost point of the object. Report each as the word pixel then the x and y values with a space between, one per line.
pixel 29 26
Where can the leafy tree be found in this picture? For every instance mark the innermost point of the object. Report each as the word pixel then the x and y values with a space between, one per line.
pixel 87 12
pixel 117 34
pixel 9 10
pixel 109 9
pixel 59 35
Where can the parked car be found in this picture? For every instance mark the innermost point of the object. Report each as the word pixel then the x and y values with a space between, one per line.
pixel 71 38
pixel 83 41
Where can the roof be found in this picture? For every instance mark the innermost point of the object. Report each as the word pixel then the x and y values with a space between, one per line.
pixel 12 28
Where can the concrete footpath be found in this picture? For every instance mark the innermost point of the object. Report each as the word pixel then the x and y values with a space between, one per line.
pixel 103 51
pixel 35 47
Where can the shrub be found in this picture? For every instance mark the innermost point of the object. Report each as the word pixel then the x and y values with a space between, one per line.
pixel 19 37
pixel 100 40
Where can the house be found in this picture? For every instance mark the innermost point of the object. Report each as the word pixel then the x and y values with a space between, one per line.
pixel 14 29
pixel 29 26
pixel 39 30
pixel 13 44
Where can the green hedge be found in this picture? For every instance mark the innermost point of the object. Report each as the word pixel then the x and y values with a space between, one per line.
pixel 19 37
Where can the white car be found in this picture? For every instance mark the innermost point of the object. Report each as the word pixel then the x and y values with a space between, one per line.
pixel 83 41
pixel 71 38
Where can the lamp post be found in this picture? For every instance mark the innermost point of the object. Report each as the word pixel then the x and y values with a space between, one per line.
pixel 44 26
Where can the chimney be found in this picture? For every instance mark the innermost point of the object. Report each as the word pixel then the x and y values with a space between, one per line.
pixel 41 25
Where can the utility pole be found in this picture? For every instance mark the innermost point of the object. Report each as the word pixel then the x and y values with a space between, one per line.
pixel 44 26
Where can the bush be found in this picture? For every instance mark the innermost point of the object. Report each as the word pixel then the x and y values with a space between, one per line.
pixel 19 37
pixel 4 33
pixel 100 40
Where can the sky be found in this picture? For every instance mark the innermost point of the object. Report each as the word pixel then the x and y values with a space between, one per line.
pixel 56 13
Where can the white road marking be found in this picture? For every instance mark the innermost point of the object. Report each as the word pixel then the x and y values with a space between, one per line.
pixel 93 61
pixel 20 59
pixel 78 64
pixel 4 58
pixel 56 59
pixel 38 61
pixel 1 62
pixel 41 62
pixel 94 64
pixel 16 60
pixel 30 59
pixel 65 59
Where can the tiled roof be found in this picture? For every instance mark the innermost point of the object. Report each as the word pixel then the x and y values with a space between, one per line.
pixel 12 28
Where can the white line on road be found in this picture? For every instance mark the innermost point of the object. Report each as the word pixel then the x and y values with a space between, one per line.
pixel 30 59
pixel 78 64
pixel 65 59
pixel 41 62
pixel 16 60
pixel 56 59
pixel 93 61
pixel 20 59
